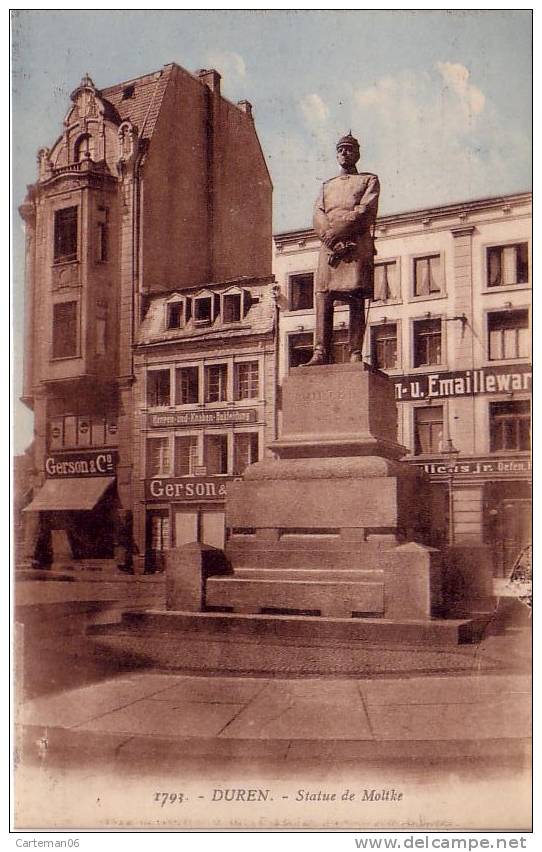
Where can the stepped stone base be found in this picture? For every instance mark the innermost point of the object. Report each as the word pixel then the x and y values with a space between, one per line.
pixel 258 644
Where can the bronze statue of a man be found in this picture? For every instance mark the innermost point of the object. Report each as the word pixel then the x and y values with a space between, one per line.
pixel 344 218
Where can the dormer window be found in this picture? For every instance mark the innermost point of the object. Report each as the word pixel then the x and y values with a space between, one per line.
pixel 175 315
pixel 84 148
pixel 231 307
pixel 203 310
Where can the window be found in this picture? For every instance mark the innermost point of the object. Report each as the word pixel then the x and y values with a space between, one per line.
pixel 186 455
pixel 508 333
pixel 427 342
pixel 216 381
pixel 101 329
pixel 158 460
pixel 81 430
pixel 203 310
pixel 428 275
pixel 246 380
pixel 386 281
pixel 65 330
pixel 245 451
pixel 340 347
pixel 158 394
pixel 186 386
pixel 84 148
pixel 159 531
pixel 216 454
pixel 299 349
pixel 384 346
pixel 231 307
pixel 509 425
pixel 175 315
pixel 65 247
pixel 508 265
pixel 301 292
pixel 428 429
pixel 102 241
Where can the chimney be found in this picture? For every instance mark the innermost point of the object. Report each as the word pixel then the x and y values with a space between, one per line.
pixel 246 106
pixel 211 78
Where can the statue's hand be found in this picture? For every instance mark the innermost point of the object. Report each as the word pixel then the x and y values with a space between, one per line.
pixel 329 238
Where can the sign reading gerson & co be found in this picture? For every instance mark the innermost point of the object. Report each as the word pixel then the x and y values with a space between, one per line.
pixel 97 463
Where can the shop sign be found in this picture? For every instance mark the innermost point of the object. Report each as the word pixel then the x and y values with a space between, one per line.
pixel 217 417
pixel 98 463
pixel 515 377
pixel 193 488
pixel 483 466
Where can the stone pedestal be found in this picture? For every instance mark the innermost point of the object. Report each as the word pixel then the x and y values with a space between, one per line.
pixel 321 529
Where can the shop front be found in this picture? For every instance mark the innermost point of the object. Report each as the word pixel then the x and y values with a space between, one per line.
pixel 77 508
pixel 182 510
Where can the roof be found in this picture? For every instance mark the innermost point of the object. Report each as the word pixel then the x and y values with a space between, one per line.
pixel 141 107
pixel 259 319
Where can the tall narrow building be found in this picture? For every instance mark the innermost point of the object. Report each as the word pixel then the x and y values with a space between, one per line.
pixel 155 184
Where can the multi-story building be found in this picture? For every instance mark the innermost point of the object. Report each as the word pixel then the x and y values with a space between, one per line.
pixel 154 183
pixel 450 324
pixel 205 387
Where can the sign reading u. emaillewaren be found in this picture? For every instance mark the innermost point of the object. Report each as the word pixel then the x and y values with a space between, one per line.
pixel 92 463
pixel 218 417
pixel 193 488
pixel 488 380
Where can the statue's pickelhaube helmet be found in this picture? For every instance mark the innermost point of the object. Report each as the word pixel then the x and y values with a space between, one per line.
pixel 348 140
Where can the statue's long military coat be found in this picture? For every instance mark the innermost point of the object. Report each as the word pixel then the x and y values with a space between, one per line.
pixel 348 204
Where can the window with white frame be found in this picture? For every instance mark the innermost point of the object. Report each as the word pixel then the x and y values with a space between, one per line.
pixel 65 328
pixel 231 307
pixel 65 235
pixel 186 455
pixel 158 388
pixel 386 281
pixel 384 346
pixel 245 451
pixel 158 457
pixel 301 289
pixel 203 310
pixel 428 425
pixel 215 453
pixel 175 314
pixel 186 385
pixel 247 380
pixel 427 342
pixel 508 334
pixel 299 348
pixel 508 265
pixel 216 382
pixel 428 275
pixel 510 425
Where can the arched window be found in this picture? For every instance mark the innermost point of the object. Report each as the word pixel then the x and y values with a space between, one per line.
pixel 84 148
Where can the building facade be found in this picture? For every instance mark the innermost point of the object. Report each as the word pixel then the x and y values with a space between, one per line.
pixel 147 189
pixel 205 381
pixel 450 324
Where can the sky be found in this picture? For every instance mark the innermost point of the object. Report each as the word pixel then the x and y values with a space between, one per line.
pixel 440 100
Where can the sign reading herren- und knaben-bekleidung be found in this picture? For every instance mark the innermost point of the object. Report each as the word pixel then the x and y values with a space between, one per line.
pixel 92 463
pixel 219 416
pixel 193 488
pixel 488 380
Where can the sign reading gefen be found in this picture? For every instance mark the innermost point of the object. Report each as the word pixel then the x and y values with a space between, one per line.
pixel 218 417
pixel 515 377
pixel 510 466
pixel 195 488
pixel 97 463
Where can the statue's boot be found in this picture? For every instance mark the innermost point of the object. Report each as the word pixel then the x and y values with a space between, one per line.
pixel 356 357
pixel 318 357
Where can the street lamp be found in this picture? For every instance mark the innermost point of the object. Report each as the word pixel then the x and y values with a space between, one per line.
pixel 451 455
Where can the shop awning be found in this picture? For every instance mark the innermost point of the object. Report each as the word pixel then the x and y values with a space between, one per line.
pixel 65 495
